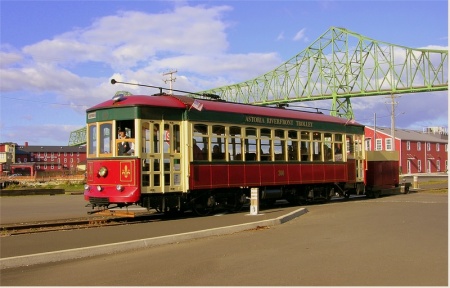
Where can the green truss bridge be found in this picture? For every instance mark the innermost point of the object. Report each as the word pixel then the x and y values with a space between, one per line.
pixel 338 66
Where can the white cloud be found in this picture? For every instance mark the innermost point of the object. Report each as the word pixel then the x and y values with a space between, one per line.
pixel 138 45
pixel 131 37
pixel 434 47
pixel 280 36
pixel 9 58
pixel 301 35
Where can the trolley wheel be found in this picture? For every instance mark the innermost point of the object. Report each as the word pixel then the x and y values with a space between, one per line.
pixel 376 193
pixel 406 189
pixel 204 204
pixel 239 201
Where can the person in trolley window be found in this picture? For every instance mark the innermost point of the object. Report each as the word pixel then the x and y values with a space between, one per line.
pixel 124 147
pixel 198 154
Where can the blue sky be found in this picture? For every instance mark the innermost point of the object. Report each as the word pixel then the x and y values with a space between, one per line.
pixel 57 57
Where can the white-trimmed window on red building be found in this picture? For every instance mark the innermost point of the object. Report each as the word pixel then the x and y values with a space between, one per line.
pixel 388 144
pixel 379 145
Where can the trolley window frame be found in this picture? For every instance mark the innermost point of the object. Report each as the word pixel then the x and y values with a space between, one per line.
pixel 253 141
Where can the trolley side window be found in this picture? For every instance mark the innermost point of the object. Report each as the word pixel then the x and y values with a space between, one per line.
pixel 350 146
pixel 218 143
pixel 200 143
pixel 338 156
pixel 328 146
pixel 317 146
pixel 266 145
pixel 156 141
pixel 176 135
pixel 235 143
pixel 279 145
pixel 305 146
pixel 145 137
pixel 250 144
pixel 293 146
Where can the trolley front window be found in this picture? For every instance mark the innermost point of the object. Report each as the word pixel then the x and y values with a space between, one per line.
pixel 105 138
pixel 92 139
pixel 111 138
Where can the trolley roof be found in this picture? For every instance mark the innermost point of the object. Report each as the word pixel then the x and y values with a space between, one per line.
pixel 186 103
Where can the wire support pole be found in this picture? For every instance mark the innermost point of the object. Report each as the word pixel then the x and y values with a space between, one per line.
pixel 170 80
pixel 393 103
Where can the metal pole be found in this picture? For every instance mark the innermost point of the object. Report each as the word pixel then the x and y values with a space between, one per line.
pixel 393 103
pixel 375 131
pixel 393 122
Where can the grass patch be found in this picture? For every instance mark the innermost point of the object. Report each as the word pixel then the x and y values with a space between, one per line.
pixel 67 186
pixel 435 191
pixel 434 187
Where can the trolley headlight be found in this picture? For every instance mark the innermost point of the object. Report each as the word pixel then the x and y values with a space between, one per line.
pixel 99 188
pixel 87 187
pixel 103 171
pixel 119 188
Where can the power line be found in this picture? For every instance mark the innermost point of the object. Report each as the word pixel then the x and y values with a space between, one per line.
pixel 43 102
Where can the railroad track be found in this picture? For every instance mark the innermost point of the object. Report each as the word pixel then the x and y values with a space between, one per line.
pixel 79 223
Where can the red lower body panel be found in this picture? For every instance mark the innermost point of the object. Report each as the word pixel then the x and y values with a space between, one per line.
pixel 124 172
pixel 209 176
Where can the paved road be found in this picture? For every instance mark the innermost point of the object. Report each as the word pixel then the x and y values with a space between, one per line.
pixel 394 240
pixel 22 209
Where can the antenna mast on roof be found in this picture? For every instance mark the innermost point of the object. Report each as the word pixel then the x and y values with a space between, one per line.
pixel 171 79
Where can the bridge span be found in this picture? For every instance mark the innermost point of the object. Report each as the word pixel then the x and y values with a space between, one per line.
pixel 338 66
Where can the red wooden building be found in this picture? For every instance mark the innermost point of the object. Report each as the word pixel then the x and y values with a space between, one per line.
pixel 420 151
pixel 29 160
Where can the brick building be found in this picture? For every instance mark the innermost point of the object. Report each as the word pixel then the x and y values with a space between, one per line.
pixel 34 160
pixel 420 151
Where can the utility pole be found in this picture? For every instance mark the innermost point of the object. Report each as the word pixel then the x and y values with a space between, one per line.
pixel 393 103
pixel 374 131
pixel 171 79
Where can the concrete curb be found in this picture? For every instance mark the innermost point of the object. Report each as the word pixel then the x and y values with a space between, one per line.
pixel 78 253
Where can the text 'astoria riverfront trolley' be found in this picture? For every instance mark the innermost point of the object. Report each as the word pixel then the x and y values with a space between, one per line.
pixel 184 153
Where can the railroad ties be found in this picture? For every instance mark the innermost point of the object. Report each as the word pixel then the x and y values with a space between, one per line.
pixel 117 213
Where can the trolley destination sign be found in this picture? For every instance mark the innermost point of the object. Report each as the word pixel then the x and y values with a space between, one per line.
pixel 278 121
